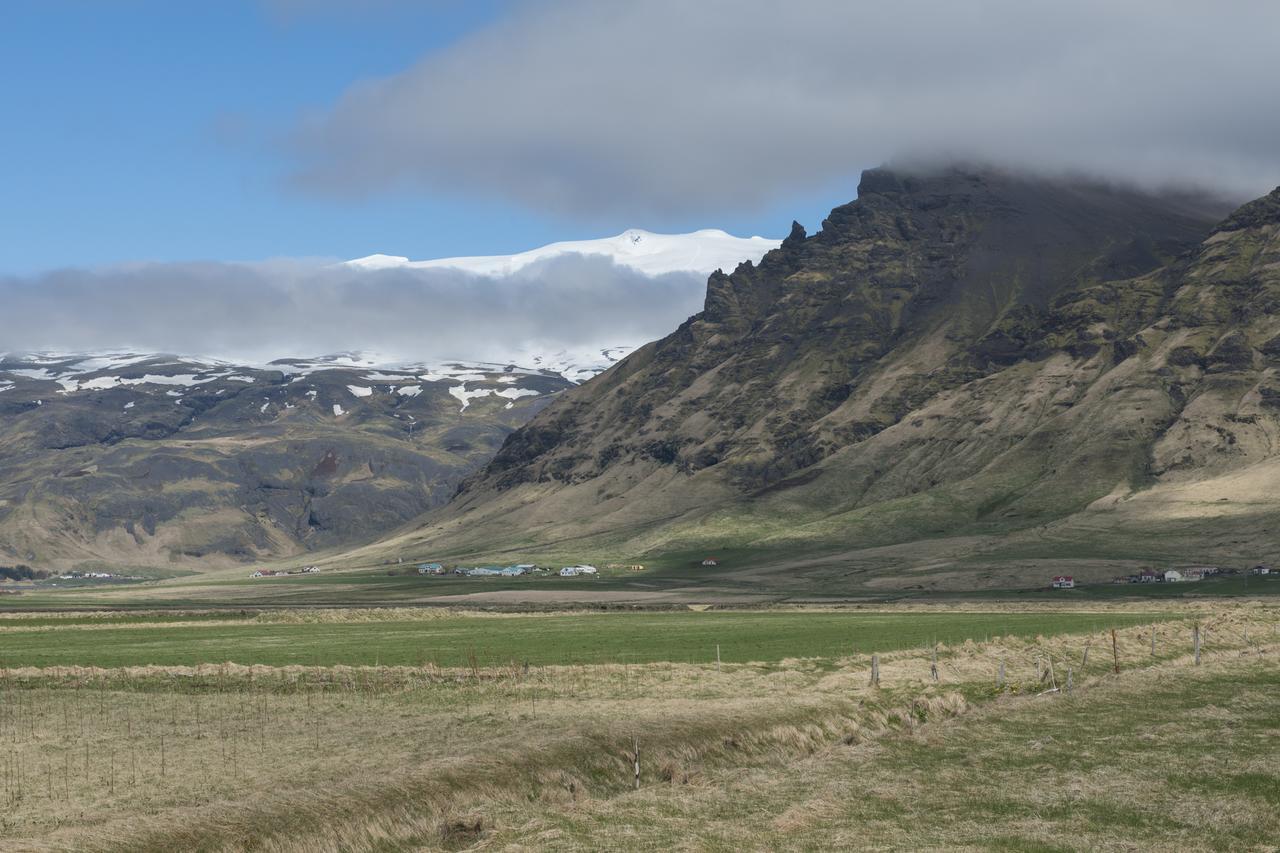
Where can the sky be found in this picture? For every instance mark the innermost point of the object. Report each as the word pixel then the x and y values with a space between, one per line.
pixel 149 147
pixel 154 130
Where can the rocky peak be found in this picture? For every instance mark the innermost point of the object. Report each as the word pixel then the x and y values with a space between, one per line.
pixel 834 337
pixel 1258 213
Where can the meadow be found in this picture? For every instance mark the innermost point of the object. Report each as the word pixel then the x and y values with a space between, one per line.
pixel 815 729
pixel 405 637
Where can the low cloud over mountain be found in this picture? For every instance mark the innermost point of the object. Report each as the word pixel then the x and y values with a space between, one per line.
pixel 589 108
pixel 284 308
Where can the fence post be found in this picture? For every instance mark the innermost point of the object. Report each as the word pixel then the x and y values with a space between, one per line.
pixel 875 670
pixel 717 657
pixel 1195 640
pixel 1115 653
pixel 1069 681
pixel 1084 663
pixel 1000 676
pixel 635 742
pixel 933 667
pixel 1153 640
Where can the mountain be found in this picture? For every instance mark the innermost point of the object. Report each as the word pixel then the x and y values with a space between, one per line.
pixel 155 461
pixel 652 254
pixel 963 379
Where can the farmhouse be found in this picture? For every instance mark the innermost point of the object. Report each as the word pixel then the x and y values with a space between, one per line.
pixel 1064 582
pixel 430 568
pixel 710 562
pixel 574 571
pixel 1173 576
pixel 1261 569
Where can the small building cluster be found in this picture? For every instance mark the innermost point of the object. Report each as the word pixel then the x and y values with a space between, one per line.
pixel 514 571
pixel 278 573
pixel 1190 574
pixel 496 571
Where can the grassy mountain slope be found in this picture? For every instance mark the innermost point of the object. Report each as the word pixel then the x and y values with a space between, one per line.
pixel 961 378
pixel 165 463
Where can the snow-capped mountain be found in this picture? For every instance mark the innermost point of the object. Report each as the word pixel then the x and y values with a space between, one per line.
pixel 201 462
pixel 652 254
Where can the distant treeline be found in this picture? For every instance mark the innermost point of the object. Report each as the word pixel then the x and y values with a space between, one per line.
pixel 22 573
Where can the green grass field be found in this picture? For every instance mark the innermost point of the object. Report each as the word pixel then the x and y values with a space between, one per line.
pixel 788 744
pixel 693 583
pixel 450 640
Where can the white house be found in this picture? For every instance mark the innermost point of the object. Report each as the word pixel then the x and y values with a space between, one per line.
pixel 1064 582
pixel 1172 576
pixel 574 571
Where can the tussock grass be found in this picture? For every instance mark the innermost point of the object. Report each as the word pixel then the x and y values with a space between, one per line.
pixel 353 758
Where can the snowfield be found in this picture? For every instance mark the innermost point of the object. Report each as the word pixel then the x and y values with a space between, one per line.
pixel 702 251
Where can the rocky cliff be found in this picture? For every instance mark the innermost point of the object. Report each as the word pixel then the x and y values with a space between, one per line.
pixel 954 357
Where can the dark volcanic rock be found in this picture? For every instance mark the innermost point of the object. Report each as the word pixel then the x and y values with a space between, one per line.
pixel 773 375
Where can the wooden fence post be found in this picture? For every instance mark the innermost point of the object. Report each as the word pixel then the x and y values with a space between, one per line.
pixel 933 667
pixel 1153 640
pixel 1115 653
pixel 1195 641
pixel 717 657
pixel 1069 681
pixel 635 755
pixel 1084 663
pixel 875 670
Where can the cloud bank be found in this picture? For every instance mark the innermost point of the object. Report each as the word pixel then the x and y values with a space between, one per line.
pixel 585 107
pixel 262 311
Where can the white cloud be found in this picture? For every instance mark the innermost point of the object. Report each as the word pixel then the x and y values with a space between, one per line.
pixel 279 309
pixel 667 106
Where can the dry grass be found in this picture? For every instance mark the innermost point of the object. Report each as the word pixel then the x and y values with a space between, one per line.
pixel 341 758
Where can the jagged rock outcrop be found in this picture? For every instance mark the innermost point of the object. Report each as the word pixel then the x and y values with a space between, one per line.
pixel 1027 369
pixel 920 285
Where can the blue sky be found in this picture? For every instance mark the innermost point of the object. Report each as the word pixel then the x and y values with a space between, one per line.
pixel 159 130
pixel 143 130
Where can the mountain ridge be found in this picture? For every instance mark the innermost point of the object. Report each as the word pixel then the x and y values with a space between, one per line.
pixel 930 365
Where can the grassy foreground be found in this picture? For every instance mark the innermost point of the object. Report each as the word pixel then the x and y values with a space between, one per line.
pixel 442 638
pixel 795 752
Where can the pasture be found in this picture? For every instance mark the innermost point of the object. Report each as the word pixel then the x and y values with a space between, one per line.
pixel 445 730
pixel 447 639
